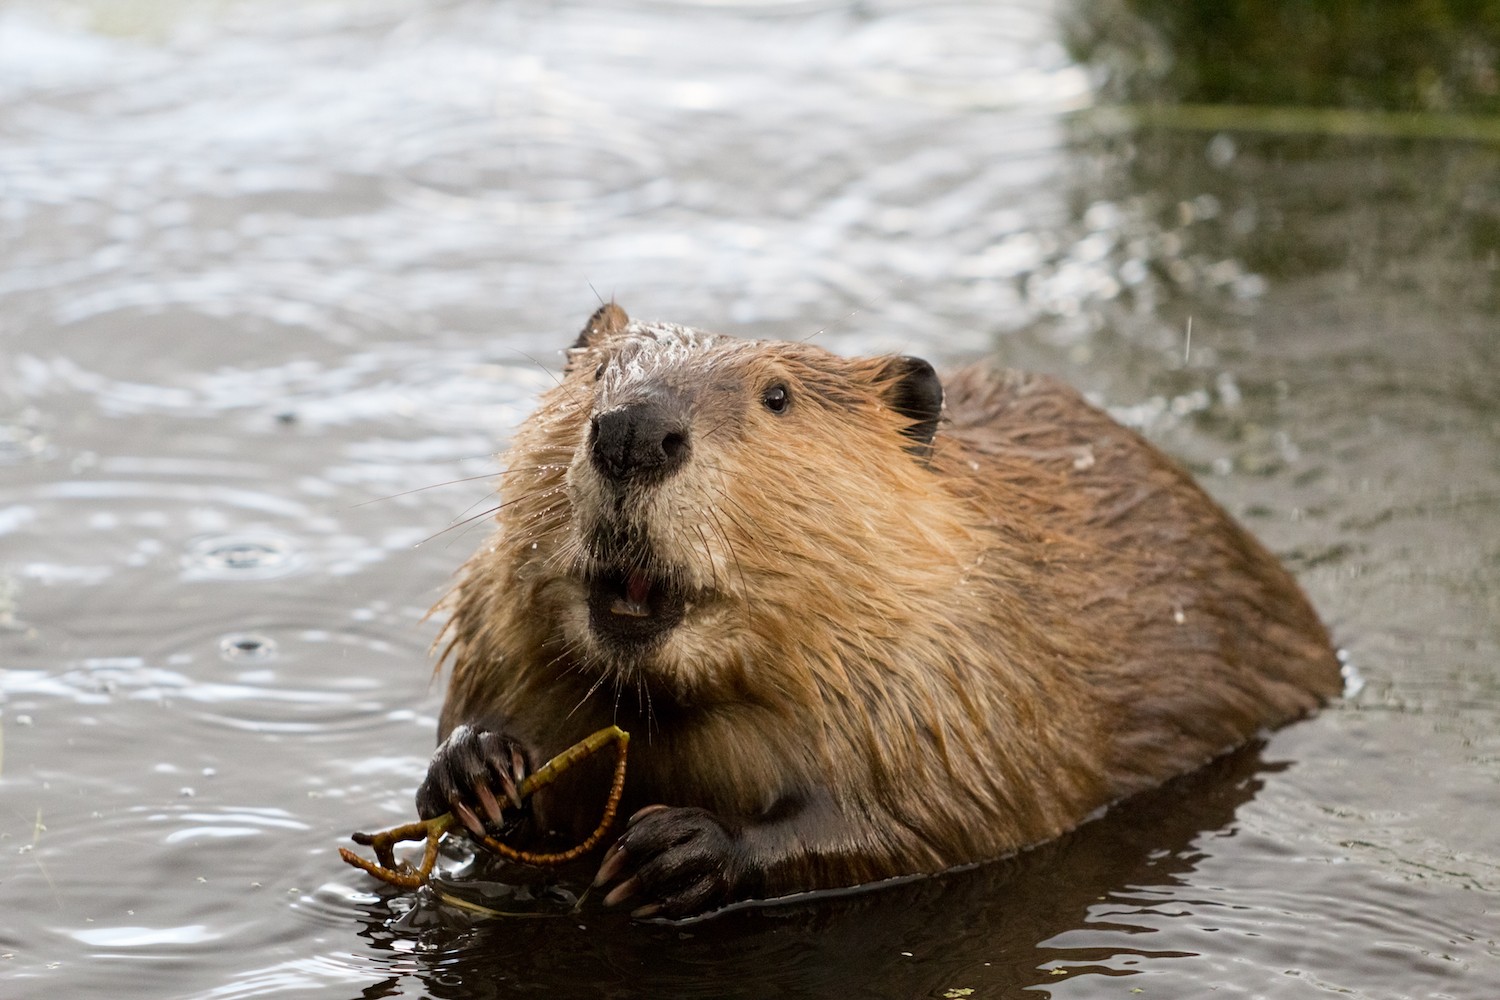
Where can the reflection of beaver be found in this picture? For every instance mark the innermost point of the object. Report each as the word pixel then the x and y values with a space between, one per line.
pixel 858 630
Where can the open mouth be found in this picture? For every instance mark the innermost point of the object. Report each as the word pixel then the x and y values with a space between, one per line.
pixel 630 609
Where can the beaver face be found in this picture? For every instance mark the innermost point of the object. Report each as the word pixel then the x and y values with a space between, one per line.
pixel 631 450
pixel 634 484
pixel 697 516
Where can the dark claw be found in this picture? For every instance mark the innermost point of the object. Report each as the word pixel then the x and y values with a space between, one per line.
pixel 467 817
pixel 611 865
pixel 511 792
pixel 518 766
pixel 642 813
pixel 491 807
pixel 622 892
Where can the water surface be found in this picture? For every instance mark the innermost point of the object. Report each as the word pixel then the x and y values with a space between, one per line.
pixel 265 267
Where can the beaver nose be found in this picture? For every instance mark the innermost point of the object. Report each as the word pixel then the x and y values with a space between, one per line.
pixel 639 442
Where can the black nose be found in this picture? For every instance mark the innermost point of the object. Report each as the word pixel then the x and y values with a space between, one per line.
pixel 640 442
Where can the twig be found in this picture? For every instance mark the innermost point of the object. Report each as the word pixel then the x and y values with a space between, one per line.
pixel 399 873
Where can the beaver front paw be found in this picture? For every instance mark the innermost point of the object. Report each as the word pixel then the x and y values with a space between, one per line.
pixel 674 862
pixel 466 775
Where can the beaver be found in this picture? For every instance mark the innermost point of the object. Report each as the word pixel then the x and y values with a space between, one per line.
pixel 861 622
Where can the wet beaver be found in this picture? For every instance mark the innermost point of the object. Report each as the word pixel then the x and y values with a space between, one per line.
pixel 861 623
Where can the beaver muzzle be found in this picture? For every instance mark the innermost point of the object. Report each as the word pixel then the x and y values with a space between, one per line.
pixel 641 443
pixel 630 609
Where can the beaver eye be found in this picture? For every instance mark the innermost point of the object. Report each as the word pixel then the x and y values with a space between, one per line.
pixel 776 398
pixel 599 372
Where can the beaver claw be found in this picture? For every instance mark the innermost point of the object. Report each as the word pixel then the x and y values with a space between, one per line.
pixel 673 862
pixel 464 775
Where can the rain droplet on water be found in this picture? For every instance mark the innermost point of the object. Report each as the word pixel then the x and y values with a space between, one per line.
pixel 246 647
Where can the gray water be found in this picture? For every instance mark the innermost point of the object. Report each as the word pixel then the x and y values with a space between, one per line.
pixel 265 267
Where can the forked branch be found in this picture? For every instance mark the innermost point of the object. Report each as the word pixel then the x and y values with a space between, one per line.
pixel 399 873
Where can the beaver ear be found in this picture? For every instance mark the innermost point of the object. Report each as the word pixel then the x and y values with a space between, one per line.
pixel 608 318
pixel 914 390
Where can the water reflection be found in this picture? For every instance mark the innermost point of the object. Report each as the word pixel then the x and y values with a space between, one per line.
pixel 144 937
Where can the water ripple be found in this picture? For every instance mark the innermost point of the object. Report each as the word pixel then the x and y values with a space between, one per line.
pixel 242 557
pixel 264 263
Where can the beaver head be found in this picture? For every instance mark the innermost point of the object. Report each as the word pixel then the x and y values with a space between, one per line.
pixel 686 505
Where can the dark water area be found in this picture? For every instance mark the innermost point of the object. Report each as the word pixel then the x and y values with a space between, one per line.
pixel 1432 55
pixel 267 267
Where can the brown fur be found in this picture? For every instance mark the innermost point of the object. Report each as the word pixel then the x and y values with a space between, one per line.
pixel 895 662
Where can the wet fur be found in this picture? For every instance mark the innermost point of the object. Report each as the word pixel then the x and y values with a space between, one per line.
pixel 897 662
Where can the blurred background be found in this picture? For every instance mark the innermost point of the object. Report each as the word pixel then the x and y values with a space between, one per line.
pixel 267 266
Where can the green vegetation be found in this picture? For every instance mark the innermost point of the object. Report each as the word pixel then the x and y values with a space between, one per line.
pixel 1395 55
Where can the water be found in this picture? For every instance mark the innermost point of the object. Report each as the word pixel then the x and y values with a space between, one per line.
pixel 265 265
